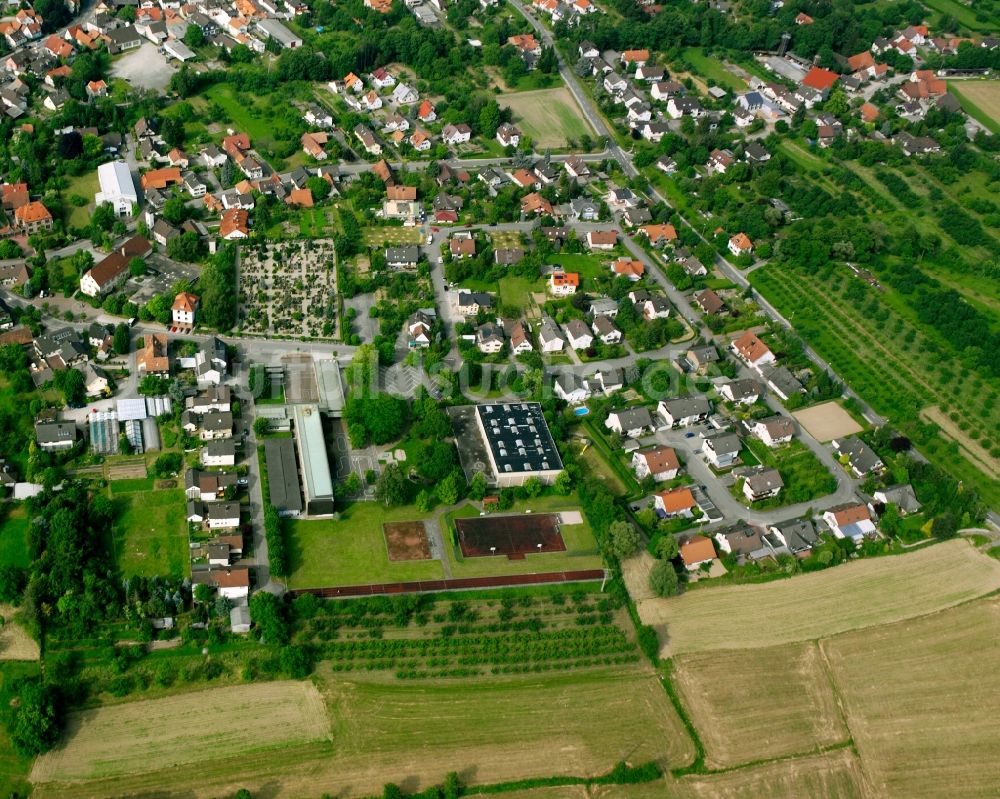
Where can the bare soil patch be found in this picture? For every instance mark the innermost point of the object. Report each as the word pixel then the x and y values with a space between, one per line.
pixel 15 643
pixel 406 541
pixel 827 421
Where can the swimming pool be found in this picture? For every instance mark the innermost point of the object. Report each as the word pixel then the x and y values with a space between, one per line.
pixel 583 410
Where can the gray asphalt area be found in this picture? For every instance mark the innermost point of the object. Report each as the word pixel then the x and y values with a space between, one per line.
pixel 144 68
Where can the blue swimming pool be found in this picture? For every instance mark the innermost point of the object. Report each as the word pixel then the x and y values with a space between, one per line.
pixel 583 410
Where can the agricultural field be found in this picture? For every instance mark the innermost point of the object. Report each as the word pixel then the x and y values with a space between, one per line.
pixel 813 605
pixel 887 364
pixel 352 550
pixel 550 117
pixel 410 733
pixel 742 719
pixel 931 729
pixel 119 740
pixel 150 536
pixel 980 99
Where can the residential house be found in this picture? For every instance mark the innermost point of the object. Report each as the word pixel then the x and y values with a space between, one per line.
pixel 602 239
pixel 660 462
pixel 456 134
pixel 851 520
pixel 418 329
pixel 629 268
pixel 797 536
pixel 684 411
pixel 219 453
pixel 490 338
pixel 404 95
pixel 606 331
pixel 710 302
pixel 518 333
pixel 550 340
pixel 774 430
pixel 32 218
pixel 470 303
pixel 740 244
pixel 563 284
pixel 578 335
pixel 902 496
pixel 508 256
pixel 508 135
pixel 630 422
pixel 859 456
pixel 182 312
pixel 152 359
pixel 404 257
pixel 696 552
pixel 700 357
pixel 571 388
pixel 743 541
pixel 603 306
pixel 678 502
pixel 721 449
pixel 609 380
pixel 754 352
pixel 55 436
pixel 659 235
pixel 762 484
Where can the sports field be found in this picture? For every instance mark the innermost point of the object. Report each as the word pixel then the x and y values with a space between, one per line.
pixel 513 536
pixel 550 117
pixel 827 421
pixel 743 719
pixel 352 550
pixel 184 729
pixel 406 540
pixel 930 729
pixel 411 733
pixel 810 606
pixel 150 533
pixel 980 99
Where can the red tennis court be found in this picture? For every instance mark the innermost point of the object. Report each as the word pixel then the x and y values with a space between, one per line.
pixel 513 536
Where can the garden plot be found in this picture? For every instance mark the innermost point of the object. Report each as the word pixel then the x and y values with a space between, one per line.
pixel 288 289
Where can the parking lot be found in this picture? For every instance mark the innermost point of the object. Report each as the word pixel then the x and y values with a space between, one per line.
pixel 163 274
pixel 289 289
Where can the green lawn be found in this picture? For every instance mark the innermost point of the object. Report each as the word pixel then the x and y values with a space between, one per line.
pixel 517 291
pixel 86 186
pixel 14 539
pixel 805 477
pixel 588 266
pixel 250 119
pixel 581 548
pixel 132 486
pixel 150 533
pixel 710 67
pixel 351 550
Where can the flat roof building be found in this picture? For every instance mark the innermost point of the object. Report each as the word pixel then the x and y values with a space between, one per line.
pixel 274 29
pixel 518 442
pixel 284 489
pixel 316 479
pixel 117 187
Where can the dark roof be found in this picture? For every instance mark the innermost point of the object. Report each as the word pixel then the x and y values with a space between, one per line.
pixel 518 438
pixel 284 489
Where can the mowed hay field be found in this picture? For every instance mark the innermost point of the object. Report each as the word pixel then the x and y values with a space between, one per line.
pixel 810 606
pixel 756 704
pixel 413 733
pixel 980 99
pixel 922 699
pixel 550 117
pixel 15 643
pixel 184 729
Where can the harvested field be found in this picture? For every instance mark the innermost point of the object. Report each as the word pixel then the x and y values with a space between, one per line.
pixel 635 573
pixel 758 704
pixel 414 733
pixel 835 775
pixel 15 643
pixel 980 99
pixel 827 421
pixel 922 699
pixel 810 606
pixel 550 117
pixel 512 535
pixel 406 541
pixel 120 740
